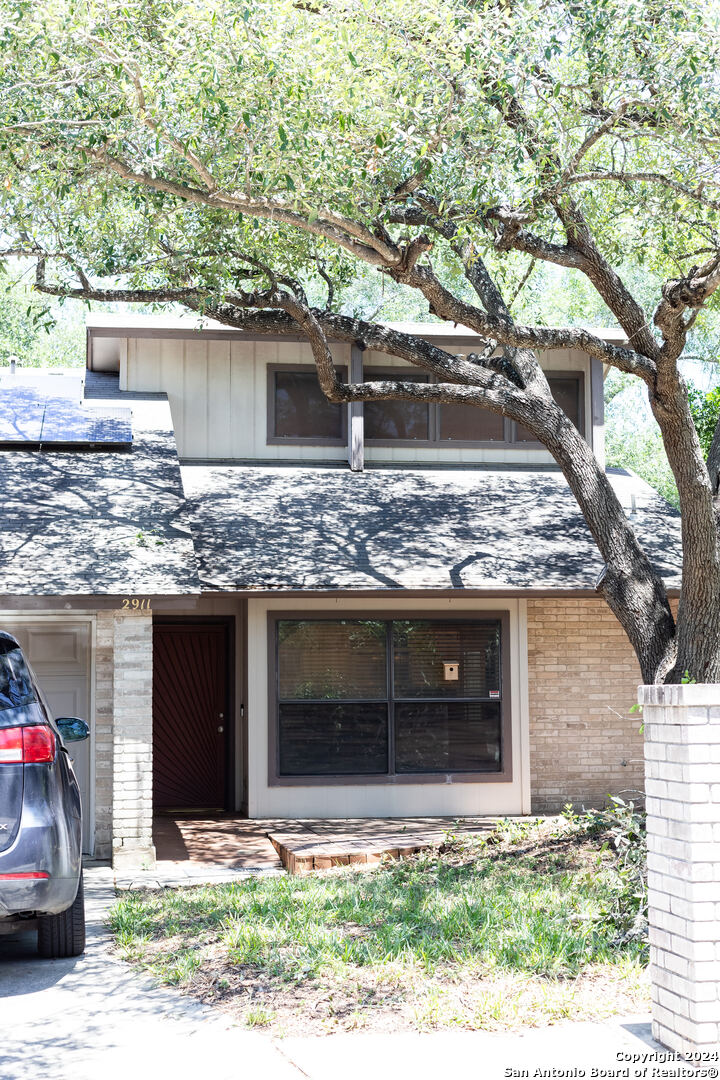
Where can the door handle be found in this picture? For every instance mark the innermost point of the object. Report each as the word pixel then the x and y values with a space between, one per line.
pixel 220 728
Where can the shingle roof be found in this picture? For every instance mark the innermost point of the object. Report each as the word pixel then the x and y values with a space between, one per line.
pixel 304 528
pixel 96 522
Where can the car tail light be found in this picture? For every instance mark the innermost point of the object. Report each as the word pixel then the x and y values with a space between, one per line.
pixel 38 745
pixel 23 877
pixel 26 745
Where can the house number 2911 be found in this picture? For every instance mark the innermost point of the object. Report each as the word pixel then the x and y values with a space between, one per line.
pixel 136 603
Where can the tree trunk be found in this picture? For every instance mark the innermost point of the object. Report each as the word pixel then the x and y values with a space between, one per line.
pixel 629 583
pixel 698 620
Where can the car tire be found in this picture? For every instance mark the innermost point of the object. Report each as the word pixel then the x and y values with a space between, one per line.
pixel 63 935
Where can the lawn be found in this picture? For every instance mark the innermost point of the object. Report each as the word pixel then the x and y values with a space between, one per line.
pixel 536 924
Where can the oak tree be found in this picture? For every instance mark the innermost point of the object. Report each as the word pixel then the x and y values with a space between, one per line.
pixel 237 157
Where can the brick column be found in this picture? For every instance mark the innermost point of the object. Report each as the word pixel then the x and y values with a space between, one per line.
pixel 682 768
pixel 104 704
pixel 132 845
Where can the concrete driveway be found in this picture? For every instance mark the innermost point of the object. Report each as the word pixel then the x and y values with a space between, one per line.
pixel 93 1018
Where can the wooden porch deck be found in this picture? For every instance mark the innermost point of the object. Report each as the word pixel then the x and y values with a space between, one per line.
pixel 302 845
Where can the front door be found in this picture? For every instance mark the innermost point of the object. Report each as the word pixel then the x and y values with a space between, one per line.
pixel 190 716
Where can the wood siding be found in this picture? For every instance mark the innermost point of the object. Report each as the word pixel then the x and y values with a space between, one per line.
pixel 218 398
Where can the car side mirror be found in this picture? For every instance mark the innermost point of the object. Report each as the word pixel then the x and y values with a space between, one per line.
pixel 72 728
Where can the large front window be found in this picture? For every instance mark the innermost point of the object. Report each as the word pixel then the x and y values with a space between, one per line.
pixel 378 697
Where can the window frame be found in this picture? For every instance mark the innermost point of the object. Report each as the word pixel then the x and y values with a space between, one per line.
pixel 503 776
pixel 551 373
pixel 434 442
pixel 398 375
pixel 296 440
pixel 509 426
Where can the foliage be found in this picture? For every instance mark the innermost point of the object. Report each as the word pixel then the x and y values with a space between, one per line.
pixel 39 338
pixel 633 439
pixel 623 826
pixel 271 95
pixel 705 408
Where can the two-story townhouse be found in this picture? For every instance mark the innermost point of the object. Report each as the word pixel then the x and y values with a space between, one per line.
pixel 281 607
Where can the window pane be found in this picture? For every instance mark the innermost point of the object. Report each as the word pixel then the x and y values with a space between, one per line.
pixel 467 423
pixel 566 391
pixel 301 409
pixel 423 651
pixel 333 660
pixel 388 420
pixel 16 686
pixel 344 739
pixel 447 737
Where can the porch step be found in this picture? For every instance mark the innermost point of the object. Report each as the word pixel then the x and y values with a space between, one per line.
pixel 301 852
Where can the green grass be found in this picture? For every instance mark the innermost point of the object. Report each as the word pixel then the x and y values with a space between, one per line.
pixel 422 923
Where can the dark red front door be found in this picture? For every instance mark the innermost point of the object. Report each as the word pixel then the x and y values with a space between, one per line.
pixel 190 704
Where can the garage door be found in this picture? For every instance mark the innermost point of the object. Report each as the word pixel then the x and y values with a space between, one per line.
pixel 59 653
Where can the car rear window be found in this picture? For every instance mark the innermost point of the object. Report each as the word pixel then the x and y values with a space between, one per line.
pixel 16 686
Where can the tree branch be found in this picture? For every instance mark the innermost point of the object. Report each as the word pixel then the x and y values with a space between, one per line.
pixel 337 229
pixel 689 292
pixel 695 194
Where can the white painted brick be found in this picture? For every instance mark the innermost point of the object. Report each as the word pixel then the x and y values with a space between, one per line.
pixel 672 962
pixel 130 707
pixel 665 920
pixel 691 832
pixel 692 793
pixel 672 1002
pixel 704 1012
pixel 684 862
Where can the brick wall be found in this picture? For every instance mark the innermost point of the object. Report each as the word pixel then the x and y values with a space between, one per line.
pixel 123 738
pixel 132 741
pixel 682 730
pixel 104 654
pixel 580 669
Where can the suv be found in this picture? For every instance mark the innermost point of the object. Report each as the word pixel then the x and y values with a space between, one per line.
pixel 40 822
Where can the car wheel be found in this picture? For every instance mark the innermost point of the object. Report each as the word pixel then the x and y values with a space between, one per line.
pixel 64 934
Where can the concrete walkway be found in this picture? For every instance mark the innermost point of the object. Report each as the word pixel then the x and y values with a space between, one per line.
pixel 94 1018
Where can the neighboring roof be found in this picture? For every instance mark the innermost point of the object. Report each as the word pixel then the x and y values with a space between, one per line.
pixel 123 324
pixel 502 529
pixel 95 522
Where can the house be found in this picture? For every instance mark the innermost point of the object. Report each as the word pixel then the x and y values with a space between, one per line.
pixel 280 607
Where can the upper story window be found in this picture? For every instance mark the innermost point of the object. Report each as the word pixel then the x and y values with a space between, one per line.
pixel 398 422
pixel 393 421
pixel 299 412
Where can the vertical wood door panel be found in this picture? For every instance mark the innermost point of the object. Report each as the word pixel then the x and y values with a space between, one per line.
pixel 190 716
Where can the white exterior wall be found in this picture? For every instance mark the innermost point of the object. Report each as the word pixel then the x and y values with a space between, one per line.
pixel 218 399
pixel 131 697
pixel 377 799
pixel 218 393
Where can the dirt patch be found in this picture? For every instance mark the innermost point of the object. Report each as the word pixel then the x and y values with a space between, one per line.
pixel 392 1001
